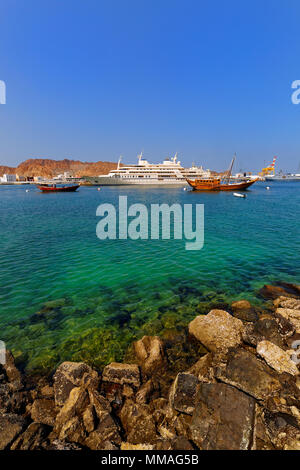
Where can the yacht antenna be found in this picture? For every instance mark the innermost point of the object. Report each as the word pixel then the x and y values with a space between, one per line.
pixel 119 161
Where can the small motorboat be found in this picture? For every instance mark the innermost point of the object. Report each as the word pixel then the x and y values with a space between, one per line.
pixel 52 188
pixel 239 195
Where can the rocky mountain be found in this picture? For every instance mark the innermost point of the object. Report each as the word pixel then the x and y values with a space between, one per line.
pixel 49 168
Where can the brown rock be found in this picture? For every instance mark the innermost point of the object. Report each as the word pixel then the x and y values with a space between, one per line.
pixel 12 373
pixel 122 374
pixel 43 411
pixel 74 406
pixel 128 446
pixel 272 292
pixel 150 353
pixel 243 310
pixel 217 331
pixel 266 328
pixel 138 422
pixel 286 302
pixel 276 358
pixel 31 439
pixel 244 371
pixel 183 393
pixel 11 426
pixel 70 375
pixel 223 418
pixel 293 316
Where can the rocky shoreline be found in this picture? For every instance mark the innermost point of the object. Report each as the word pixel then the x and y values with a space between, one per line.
pixel 239 390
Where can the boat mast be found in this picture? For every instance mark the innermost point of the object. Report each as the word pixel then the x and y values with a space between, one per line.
pixel 119 161
pixel 227 179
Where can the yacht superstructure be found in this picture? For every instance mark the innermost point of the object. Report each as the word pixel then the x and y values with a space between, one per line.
pixel 169 173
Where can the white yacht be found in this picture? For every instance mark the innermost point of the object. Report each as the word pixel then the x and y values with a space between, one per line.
pixel 168 173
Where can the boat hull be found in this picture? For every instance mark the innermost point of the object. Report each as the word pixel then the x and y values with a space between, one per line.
pixel 52 189
pixel 216 185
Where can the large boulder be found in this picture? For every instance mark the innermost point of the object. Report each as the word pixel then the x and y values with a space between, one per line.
pixel 150 353
pixel 70 375
pixel 217 330
pixel 183 393
pixel 243 370
pixel 286 302
pixel 122 374
pixel 11 426
pixel 223 418
pixel 276 358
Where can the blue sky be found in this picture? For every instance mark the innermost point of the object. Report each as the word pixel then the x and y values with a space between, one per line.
pixel 93 79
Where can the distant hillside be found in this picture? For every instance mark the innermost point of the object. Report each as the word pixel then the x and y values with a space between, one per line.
pixel 49 168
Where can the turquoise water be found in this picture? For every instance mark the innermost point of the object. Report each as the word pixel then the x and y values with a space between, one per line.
pixel 106 293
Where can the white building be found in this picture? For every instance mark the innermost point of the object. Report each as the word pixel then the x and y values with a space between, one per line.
pixel 8 178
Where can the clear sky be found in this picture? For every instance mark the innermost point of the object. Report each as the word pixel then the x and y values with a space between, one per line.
pixel 93 79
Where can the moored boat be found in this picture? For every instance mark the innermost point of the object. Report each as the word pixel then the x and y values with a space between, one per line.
pixel 58 189
pixel 216 184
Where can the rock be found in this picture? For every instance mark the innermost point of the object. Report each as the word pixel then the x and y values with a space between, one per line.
pixel 293 316
pixel 223 418
pixel 177 443
pixel 43 411
pixel 12 373
pixel 72 430
pixel 183 393
pixel 70 375
pixel 89 418
pixel 249 374
pixel 31 439
pixel 266 328
pixel 11 426
pixel 272 292
pixel 105 436
pixel 286 302
pixel 74 406
pixel 122 374
pixel 58 444
pixel 217 331
pixel 143 394
pixel 47 391
pixel 203 369
pixel 243 310
pixel 276 358
pixel 128 446
pixel 138 422
pixel 150 353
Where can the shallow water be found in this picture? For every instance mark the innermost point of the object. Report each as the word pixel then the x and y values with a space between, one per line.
pixel 110 292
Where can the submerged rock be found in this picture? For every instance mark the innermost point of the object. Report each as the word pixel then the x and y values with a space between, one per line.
pixel 217 331
pixel 243 310
pixel 276 358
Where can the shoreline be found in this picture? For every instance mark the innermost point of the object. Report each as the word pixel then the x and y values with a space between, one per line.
pixel 229 371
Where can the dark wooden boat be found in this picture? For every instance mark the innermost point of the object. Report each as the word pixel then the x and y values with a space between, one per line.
pixel 58 189
pixel 216 184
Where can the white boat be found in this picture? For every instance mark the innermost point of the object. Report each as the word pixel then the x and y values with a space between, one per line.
pixel 168 173
pixel 239 195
